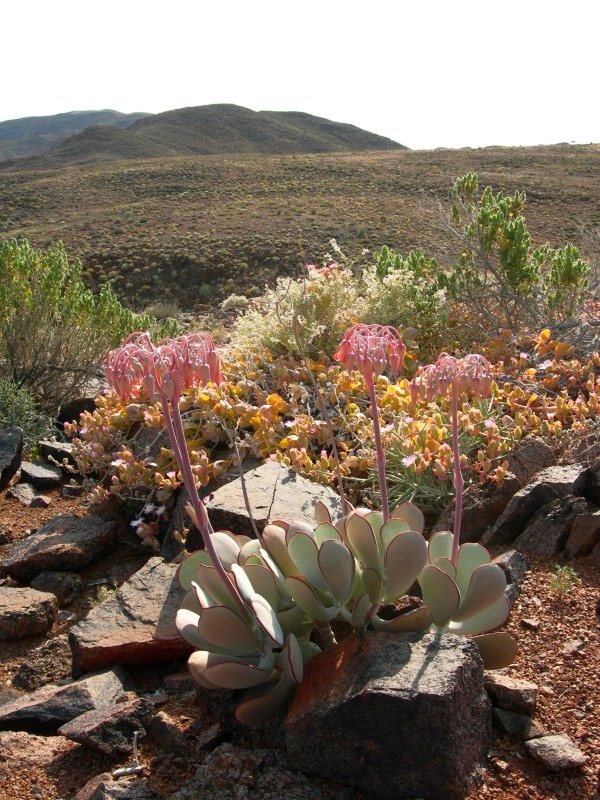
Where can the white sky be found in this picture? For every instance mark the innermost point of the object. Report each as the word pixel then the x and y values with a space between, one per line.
pixel 426 73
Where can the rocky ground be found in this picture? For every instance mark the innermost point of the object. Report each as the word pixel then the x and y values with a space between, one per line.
pixel 89 597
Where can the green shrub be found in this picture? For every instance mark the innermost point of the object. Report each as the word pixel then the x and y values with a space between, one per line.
pixel 17 407
pixel 54 333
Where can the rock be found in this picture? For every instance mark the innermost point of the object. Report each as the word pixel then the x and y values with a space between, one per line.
pixel 547 532
pixel 509 723
pixel 73 490
pixel 148 442
pixel 584 536
pixel 164 731
pixel 549 484
pixel 51 706
pixel 233 773
pixel 105 787
pixel 483 503
pixel 71 411
pixel 8 695
pixel 65 543
pixel 514 566
pixel 398 716
pixel 48 663
pixel 172 546
pixel 179 682
pixel 11 449
pixel 533 730
pixel 530 623
pixel 594 556
pixel 136 626
pixel 19 750
pixel 110 730
pixel 275 493
pixel 41 501
pixel 23 492
pixel 65 586
pixel 511 694
pixel 41 475
pixel 25 612
pixel 59 451
pixel 556 753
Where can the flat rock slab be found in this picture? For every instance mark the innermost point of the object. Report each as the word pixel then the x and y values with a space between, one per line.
pixel 25 612
pixel 511 694
pixel 65 586
pixel 52 706
pixel 41 474
pixel 110 730
pixel 29 496
pixel 274 492
pixel 48 663
pixel 398 716
pixel 105 787
pixel 65 543
pixel 136 626
pixel 549 484
pixel 59 451
pixel 11 449
pixel 234 773
pixel 556 753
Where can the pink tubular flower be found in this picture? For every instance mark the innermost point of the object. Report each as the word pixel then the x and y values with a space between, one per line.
pixel 371 348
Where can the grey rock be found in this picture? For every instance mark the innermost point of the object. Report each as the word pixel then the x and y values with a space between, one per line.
pixel 110 730
pixel 11 449
pixel 509 723
pixel 548 530
pixel 274 493
pixel 164 731
pixel 556 753
pixel 549 484
pixel 135 626
pixel 398 716
pixel 41 474
pixel 45 664
pixel 584 536
pixel 41 501
pixel 25 612
pixel 511 694
pixel 23 492
pixel 65 586
pixel 65 543
pixel 52 706
pixel 105 787
pixel 533 730
pixel 514 566
pixel 233 773
pixel 73 490
pixel 59 451
pixel 148 442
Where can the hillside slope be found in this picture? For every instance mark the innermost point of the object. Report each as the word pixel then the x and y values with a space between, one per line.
pixel 212 130
pixel 20 138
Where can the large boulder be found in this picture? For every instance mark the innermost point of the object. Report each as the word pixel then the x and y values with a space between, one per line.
pixel 134 627
pixel 11 449
pixel 548 530
pixel 25 612
pixel 65 543
pixel 398 716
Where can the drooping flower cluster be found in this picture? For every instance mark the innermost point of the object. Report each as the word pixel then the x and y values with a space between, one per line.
pixel 372 348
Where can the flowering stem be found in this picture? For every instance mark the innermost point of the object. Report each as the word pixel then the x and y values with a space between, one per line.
pixel 176 433
pixel 458 478
pixel 379 451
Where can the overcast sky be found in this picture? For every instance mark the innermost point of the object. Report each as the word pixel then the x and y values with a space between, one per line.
pixel 426 73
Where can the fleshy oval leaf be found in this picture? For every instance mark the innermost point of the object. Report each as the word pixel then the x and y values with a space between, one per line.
pixel 497 650
pixel 440 546
pixel 226 548
pixel 405 558
pixel 411 514
pixel 440 594
pixel 308 600
pixel 360 611
pixel 326 531
pixel 187 571
pixel 446 566
pixel 304 552
pixel 222 627
pixel 274 541
pixel 492 617
pixel 322 513
pixel 470 556
pixel 486 586
pixel 337 566
pixel 414 621
pixel 362 541
pixel 298 526
pixel 264 583
pixel 292 655
pixel 267 620
pixel 373 585
pixel 260 705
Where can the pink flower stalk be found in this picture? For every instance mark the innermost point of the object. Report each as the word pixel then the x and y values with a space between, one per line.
pixel 370 349
pixel 453 375
pixel 165 370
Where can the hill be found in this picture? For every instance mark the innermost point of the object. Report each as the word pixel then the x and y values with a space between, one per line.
pixel 198 228
pixel 211 130
pixel 29 136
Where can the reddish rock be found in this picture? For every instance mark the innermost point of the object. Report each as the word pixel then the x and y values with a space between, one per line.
pixel 19 750
pixel 46 664
pixel 584 536
pixel 556 753
pixel 136 626
pixel 397 716
pixel 64 543
pixel 65 586
pixel 25 612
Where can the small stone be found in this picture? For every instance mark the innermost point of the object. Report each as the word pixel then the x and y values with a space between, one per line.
pixel 179 682
pixel 530 623
pixel 41 501
pixel 66 616
pixel 64 585
pixel 573 647
pixel 508 722
pixel 73 490
pixel 511 694
pixel 209 735
pixel 500 766
pixel 25 612
pixel 23 492
pixel 105 787
pixel 41 475
pixel 546 691
pixel 533 730
pixel 163 729
pixel 556 753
